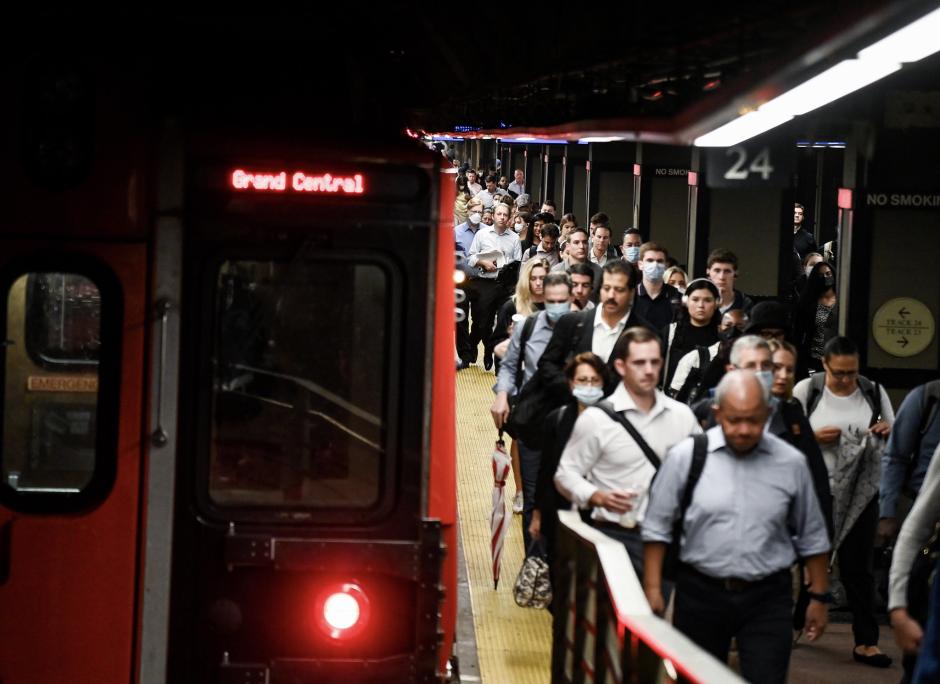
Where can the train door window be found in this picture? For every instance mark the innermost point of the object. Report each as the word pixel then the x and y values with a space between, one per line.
pixel 300 363
pixel 51 429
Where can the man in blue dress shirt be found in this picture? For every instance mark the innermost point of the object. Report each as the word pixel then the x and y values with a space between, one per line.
pixel 753 512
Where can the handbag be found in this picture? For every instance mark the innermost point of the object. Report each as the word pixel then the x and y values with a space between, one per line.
pixel 533 587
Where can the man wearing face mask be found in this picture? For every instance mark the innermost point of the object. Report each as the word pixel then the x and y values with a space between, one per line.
pixel 631 245
pixel 655 300
pixel 786 419
pixel 526 346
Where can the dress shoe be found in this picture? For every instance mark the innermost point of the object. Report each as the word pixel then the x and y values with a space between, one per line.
pixel 463 363
pixel 487 360
pixel 876 660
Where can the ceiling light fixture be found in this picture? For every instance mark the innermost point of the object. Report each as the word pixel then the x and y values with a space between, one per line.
pixel 909 44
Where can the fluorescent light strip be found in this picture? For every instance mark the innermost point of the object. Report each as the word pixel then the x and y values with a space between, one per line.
pixel 909 44
pixel 601 139
pixel 844 78
pixel 742 128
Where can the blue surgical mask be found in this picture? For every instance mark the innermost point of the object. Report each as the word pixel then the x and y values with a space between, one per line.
pixel 556 310
pixel 631 254
pixel 588 394
pixel 653 270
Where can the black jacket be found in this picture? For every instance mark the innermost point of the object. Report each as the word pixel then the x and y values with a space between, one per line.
pixel 573 334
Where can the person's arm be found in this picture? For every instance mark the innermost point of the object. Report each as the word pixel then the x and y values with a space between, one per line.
pixel 896 459
pixel 883 426
pixel 581 453
pixel 552 362
pixel 653 555
pixel 661 514
pixel 517 250
pixel 817 614
pixel 914 533
pixel 506 380
pixel 681 374
pixel 475 248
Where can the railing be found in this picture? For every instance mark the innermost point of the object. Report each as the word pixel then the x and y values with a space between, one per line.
pixel 603 629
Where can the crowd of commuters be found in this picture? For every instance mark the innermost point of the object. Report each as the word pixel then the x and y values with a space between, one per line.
pixel 728 445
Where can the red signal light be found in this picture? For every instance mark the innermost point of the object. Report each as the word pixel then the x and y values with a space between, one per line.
pixel 342 610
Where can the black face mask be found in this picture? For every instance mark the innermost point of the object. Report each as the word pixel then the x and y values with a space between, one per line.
pixel 829 281
pixel 729 334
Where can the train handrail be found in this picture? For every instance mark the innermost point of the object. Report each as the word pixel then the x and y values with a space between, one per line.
pixel 603 628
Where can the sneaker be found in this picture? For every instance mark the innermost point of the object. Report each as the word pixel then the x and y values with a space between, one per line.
pixel 517 503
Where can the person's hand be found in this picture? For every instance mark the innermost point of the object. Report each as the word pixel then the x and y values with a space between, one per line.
pixel 887 529
pixel 654 596
pixel 615 501
pixel 907 631
pixel 535 525
pixel 881 428
pixel 487 266
pixel 817 617
pixel 500 410
pixel 828 435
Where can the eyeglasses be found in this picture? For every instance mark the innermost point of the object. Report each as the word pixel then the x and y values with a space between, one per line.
pixel 842 375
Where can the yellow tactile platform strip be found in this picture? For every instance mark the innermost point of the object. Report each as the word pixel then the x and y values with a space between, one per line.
pixel 513 644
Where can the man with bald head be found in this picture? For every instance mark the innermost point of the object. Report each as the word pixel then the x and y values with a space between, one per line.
pixel 752 513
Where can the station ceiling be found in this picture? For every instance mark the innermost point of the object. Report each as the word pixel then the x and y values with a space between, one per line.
pixel 668 70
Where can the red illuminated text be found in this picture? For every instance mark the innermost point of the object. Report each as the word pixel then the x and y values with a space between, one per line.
pixel 299 182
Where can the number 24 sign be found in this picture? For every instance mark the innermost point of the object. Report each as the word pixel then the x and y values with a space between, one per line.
pixel 756 165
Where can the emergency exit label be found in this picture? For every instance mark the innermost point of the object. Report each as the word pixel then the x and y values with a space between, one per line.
pixel 903 326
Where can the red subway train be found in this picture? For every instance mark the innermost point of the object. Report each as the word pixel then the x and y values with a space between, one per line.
pixel 228 405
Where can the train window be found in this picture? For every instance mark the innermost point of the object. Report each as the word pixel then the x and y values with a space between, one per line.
pixel 300 366
pixel 63 321
pixel 52 441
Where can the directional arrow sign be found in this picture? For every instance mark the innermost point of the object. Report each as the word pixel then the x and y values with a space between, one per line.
pixel 903 327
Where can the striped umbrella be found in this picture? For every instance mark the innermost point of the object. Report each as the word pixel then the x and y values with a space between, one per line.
pixel 501 465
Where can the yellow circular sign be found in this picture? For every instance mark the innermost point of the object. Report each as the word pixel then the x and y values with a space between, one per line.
pixel 903 326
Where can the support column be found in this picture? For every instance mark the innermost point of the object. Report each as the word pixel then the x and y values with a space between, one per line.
pixel 587 183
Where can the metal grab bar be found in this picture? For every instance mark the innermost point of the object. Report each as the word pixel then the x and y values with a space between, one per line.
pixel 159 437
pixel 603 629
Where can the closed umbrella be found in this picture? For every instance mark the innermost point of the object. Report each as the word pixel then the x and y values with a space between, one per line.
pixel 501 466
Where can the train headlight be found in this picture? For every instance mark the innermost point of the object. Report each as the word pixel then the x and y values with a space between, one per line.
pixel 342 610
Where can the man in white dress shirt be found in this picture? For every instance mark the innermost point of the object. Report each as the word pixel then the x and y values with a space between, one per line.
pixel 518 184
pixel 602 466
pixel 491 250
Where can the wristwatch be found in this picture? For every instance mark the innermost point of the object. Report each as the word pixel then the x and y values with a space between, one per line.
pixel 822 598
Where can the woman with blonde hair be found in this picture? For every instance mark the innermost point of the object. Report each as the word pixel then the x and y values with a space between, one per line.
pixel 528 299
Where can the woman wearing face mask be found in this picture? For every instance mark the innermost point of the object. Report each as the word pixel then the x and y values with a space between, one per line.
pixel 809 261
pixel 696 325
pixel 585 374
pixel 523 227
pixel 817 318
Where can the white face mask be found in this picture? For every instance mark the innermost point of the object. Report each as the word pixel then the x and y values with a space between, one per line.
pixel 475 217
pixel 588 394
pixel 518 227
